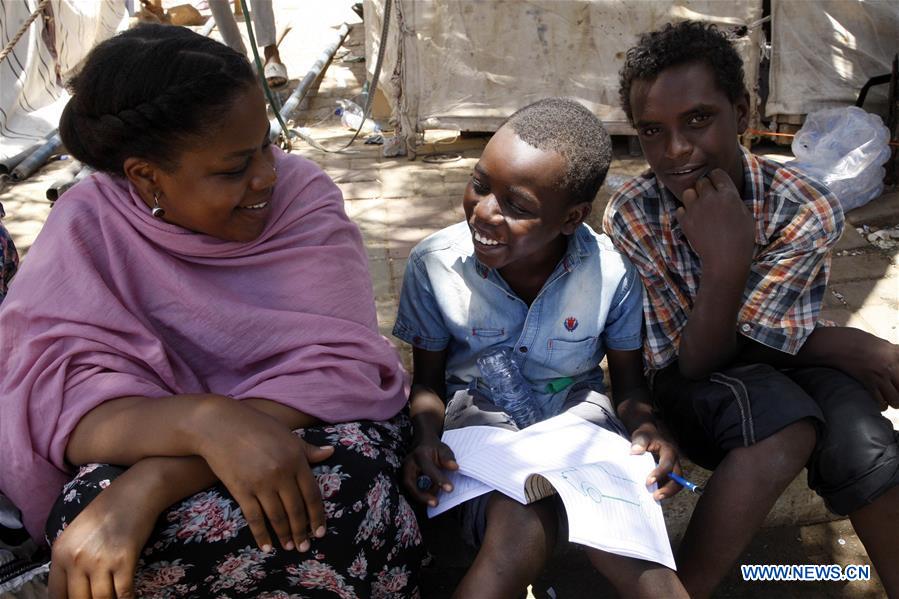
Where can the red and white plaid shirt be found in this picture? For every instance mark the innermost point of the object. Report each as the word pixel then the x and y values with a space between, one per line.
pixel 797 223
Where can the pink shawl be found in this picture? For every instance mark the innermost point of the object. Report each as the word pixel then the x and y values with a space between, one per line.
pixel 111 302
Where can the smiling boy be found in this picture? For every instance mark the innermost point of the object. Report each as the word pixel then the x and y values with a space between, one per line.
pixel 523 271
pixel 734 252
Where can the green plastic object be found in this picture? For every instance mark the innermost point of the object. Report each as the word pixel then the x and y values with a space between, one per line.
pixel 559 384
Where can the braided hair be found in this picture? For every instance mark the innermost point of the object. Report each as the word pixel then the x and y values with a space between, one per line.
pixel 567 127
pixel 147 91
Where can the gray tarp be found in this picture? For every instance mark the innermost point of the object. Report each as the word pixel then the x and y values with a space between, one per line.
pixel 466 64
pixel 823 52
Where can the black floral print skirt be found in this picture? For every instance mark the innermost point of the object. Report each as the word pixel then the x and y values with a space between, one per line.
pixel 9 258
pixel 202 546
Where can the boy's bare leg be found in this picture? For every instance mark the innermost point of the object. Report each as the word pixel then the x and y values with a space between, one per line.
pixel 736 500
pixel 517 543
pixel 636 578
pixel 877 525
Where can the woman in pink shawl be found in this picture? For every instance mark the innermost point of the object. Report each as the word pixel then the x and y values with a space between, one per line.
pixel 200 314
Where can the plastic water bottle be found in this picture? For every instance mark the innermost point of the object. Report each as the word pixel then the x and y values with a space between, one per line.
pixel 508 388
pixel 351 115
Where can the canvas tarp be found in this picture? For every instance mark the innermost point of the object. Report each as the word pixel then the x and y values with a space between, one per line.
pixel 466 64
pixel 823 52
pixel 32 76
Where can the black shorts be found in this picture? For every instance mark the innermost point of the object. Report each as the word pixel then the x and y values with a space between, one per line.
pixel 855 459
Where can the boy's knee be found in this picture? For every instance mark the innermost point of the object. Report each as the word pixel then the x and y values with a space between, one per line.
pixel 854 466
pixel 857 456
pixel 634 577
pixel 799 438
pixel 532 523
pixel 505 509
pixel 797 443
pixel 781 456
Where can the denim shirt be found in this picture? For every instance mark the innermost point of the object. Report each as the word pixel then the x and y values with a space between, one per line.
pixel 593 301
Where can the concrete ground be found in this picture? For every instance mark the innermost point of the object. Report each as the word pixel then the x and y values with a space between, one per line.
pixel 397 202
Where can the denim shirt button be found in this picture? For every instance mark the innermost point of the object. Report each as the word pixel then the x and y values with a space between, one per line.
pixel 523 349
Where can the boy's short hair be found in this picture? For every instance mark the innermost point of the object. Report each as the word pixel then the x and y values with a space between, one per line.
pixel 569 128
pixel 681 43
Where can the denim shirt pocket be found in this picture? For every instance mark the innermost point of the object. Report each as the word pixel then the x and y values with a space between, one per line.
pixel 482 339
pixel 571 358
pixel 484 333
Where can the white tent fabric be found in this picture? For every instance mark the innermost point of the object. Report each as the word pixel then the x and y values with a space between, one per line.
pixel 32 93
pixel 462 64
pixel 823 52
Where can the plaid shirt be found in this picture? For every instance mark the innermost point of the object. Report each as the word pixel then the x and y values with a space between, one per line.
pixel 797 223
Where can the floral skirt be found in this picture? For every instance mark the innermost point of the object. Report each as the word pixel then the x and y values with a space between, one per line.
pixel 202 546
pixel 9 258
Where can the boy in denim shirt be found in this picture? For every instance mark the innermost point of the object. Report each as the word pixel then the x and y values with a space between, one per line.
pixel 524 271
pixel 734 252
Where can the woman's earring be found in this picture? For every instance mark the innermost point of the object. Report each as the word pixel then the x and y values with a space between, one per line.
pixel 157 210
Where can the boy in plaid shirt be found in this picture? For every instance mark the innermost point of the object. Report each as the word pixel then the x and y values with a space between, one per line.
pixel 734 252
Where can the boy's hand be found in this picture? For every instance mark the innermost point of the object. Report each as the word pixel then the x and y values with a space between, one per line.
pixel 872 361
pixel 649 438
pixel 717 223
pixel 429 458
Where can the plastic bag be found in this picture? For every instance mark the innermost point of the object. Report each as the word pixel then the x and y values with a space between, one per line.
pixel 845 149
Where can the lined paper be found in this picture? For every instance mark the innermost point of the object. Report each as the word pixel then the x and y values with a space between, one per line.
pixel 601 484
pixel 464 488
pixel 610 508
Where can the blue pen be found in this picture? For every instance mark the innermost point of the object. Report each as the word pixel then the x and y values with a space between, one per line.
pixel 685 483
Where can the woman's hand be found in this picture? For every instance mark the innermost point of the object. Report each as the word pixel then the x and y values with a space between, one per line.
pixel 647 437
pixel 96 555
pixel 428 458
pixel 266 468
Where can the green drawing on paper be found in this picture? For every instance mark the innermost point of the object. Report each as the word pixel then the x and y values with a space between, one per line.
pixel 587 488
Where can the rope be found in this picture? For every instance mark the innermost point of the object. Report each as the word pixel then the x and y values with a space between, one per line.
pixel 271 99
pixel 23 29
pixel 772 134
pixel 260 70
pixel 366 112
pixel 385 26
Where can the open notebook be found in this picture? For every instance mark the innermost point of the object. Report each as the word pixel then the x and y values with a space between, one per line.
pixel 601 484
